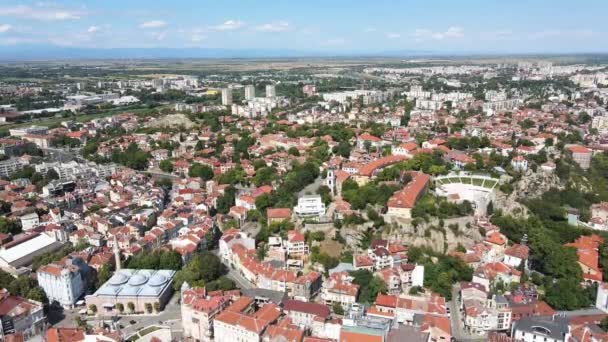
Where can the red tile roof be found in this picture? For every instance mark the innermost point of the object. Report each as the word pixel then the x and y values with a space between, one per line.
pixel 306 307
pixel 406 197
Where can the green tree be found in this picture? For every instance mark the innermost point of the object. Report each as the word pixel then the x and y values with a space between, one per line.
pixel 201 269
pixel 120 307
pixel 166 165
pixel 203 172
pixel 156 306
pixel 93 308
pixel 264 176
pixel 337 309
pixel 9 226
pixel 148 307
pixel 131 307
pixel 170 260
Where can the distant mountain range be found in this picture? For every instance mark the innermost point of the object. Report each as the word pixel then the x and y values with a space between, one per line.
pixel 51 52
pixel 45 53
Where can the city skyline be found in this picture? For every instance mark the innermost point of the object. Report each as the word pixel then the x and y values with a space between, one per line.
pixel 307 28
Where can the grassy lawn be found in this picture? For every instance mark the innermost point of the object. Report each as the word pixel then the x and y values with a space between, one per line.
pixel 490 184
pixel 477 181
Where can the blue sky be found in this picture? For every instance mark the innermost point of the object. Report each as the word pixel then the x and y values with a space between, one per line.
pixel 505 26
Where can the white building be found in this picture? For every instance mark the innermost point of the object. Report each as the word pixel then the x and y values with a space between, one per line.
pixel 519 164
pixel 232 237
pixel 310 206
pixel 20 253
pixel 29 221
pixel 34 130
pixel 226 96
pixel 271 90
pixel 249 92
pixel 601 301
pixel 63 284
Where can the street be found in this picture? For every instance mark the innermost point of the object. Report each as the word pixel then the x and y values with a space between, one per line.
pixel 456 322
pixel 240 281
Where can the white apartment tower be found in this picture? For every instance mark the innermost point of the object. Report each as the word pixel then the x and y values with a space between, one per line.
pixel 226 96
pixel 271 90
pixel 249 92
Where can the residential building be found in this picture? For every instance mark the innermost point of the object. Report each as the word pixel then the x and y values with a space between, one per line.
pixel 271 90
pixel 304 313
pixel 581 155
pixel 296 245
pixel 20 316
pixel 339 288
pixel 198 311
pixel 63 282
pixel 310 206
pixel 226 96
pixel 517 255
pixel 249 92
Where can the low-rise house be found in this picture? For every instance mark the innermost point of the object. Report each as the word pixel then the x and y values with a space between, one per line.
pixel 278 215
pixel 587 251
pixel 339 288
pixel 304 313
pixel 198 311
pixel 517 255
pixel 296 246
pixel 20 316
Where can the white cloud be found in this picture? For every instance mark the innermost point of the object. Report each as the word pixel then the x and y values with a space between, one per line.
pixel 393 35
pixel 5 28
pixel 229 25
pixel 41 11
pixel 153 24
pixel 451 32
pixel 370 29
pixel 93 29
pixel 279 26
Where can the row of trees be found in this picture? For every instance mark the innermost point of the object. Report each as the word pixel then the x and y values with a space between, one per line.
pixel 156 260
pixel 204 269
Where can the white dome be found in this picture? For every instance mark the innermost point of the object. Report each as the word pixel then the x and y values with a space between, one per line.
pixel 158 280
pixel 118 279
pixel 138 280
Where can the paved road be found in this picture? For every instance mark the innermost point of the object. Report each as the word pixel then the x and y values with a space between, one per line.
pixel 240 281
pixel 312 187
pixel 456 320
pixel 234 275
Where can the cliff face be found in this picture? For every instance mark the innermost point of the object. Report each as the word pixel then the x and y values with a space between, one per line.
pixel 534 184
pixel 530 185
pixel 438 239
